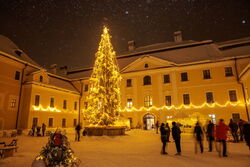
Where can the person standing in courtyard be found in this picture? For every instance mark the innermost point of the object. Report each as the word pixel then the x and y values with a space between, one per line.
pixel 246 132
pixel 234 129
pixel 78 129
pixel 210 135
pixel 168 132
pixel 198 134
pixel 43 128
pixel 33 129
pixel 176 134
pixel 163 138
pixel 221 136
pixel 157 126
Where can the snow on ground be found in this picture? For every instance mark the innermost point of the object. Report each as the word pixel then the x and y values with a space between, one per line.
pixel 136 149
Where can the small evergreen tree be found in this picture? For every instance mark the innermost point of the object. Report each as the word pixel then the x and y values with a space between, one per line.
pixel 104 86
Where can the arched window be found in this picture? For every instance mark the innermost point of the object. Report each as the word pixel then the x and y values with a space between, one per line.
pixel 147 80
pixel 148 101
pixel 145 65
pixel 41 79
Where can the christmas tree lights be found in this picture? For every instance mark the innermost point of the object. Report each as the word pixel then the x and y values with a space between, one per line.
pixel 104 86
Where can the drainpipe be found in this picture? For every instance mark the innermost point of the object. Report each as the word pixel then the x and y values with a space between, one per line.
pixel 20 95
pixel 242 87
pixel 79 112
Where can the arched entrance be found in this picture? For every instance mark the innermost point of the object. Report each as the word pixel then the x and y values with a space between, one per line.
pixel 148 121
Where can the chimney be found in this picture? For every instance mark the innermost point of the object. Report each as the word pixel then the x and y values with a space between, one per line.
pixel 131 45
pixel 53 68
pixel 177 36
pixel 64 70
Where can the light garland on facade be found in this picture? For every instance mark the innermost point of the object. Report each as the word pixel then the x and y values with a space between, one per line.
pixel 40 108
pixel 183 106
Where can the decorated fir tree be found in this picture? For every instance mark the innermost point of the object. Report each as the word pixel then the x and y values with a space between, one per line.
pixel 104 86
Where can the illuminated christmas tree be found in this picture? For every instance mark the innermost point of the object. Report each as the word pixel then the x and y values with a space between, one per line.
pixel 104 86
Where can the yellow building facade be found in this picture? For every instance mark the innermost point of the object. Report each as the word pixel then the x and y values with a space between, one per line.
pixel 181 81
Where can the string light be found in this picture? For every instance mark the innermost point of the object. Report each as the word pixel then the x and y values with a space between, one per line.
pixel 40 108
pixel 183 106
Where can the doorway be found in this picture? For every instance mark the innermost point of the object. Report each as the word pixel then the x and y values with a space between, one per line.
pixel 149 121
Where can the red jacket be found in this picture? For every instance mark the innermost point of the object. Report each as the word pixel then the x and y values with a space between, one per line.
pixel 221 131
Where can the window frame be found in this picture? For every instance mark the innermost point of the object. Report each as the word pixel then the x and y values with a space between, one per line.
pixel 148 101
pixel 184 78
pixel 147 80
pixel 230 97
pixel 166 78
pixel 228 73
pixel 207 74
pixel 207 97
pixel 168 99
pixel 37 100
pixel 129 83
pixel 185 95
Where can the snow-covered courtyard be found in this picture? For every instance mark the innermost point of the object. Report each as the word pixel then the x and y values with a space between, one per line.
pixel 137 148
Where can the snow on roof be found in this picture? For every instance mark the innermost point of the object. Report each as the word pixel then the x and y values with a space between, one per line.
pixel 7 46
pixel 54 81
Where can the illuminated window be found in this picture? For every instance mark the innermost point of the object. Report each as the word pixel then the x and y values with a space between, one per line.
pixel 206 74
pixel 75 105
pixel 52 102
pixel 50 122
pixel 166 78
pixel 64 104
pixel 63 122
pixel 129 82
pixel 41 78
pixel 148 101
pixel 186 99
pixel 168 100
pixel 213 118
pixel 86 88
pixel 17 75
pixel 232 95
pixel 129 103
pixel 13 103
pixel 209 96
pixel 74 122
pixel 145 65
pixel 184 76
pixel 147 80
pixel 228 71
pixel 37 100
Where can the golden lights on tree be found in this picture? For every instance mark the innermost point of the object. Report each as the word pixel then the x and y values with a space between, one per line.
pixel 104 86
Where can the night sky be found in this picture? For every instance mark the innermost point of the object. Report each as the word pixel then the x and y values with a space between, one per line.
pixel 67 32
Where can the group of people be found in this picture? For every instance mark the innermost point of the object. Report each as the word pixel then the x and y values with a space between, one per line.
pixel 36 130
pixel 218 133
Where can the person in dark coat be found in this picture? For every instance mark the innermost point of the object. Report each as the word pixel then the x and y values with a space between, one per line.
pixel 221 136
pixel 176 134
pixel 246 132
pixel 163 138
pixel 234 129
pixel 210 135
pixel 241 124
pixel 78 129
pixel 38 128
pixel 33 129
pixel 198 134
pixel 168 132
pixel 43 128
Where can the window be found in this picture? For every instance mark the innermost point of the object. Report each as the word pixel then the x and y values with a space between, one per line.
pixel 35 121
pixel 75 105
pixel 17 75
pixel 166 78
pixel 52 102
pixel 86 88
pixel 13 103
pixel 129 82
pixel 209 96
pixel 85 105
pixel 41 78
pixel 232 95
pixel 213 118
pixel 63 122
pixel 37 100
pixel 145 65
pixel 147 101
pixel 168 100
pixel 129 103
pixel 228 71
pixel 184 76
pixel 186 99
pixel 236 117
pixel 206 74
pixel 50 122
pixel 147 80
pixel 74 122
pixel 64 104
